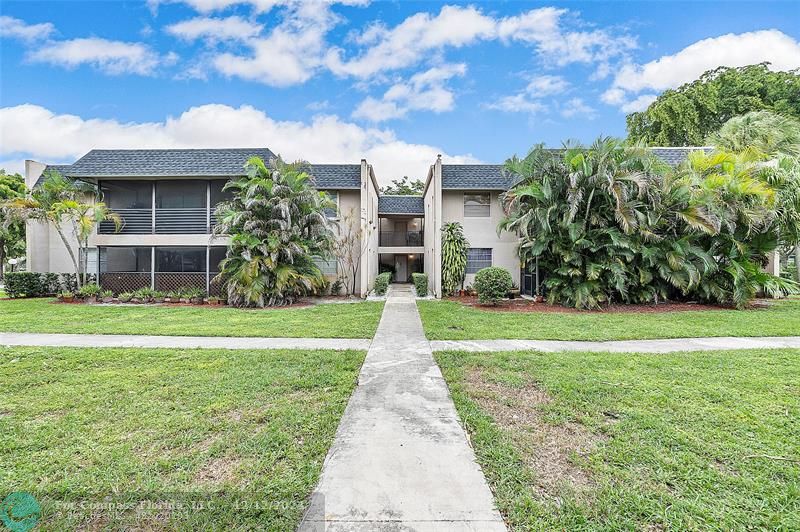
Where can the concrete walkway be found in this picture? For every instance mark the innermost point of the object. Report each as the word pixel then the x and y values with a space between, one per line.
pixel 400 460
pixel 178 342
pixel 621 346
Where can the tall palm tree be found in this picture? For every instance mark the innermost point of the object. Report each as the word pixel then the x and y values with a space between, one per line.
pixel 65 203
pixel 277 224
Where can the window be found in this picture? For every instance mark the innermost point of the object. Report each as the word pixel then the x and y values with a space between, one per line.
pixel 124 260
pixel 477 205
pixel 127 194
pixel 187 260
pixel 327 266
pixel 478 258
pixel 334 197
pixel 183 194
pixel 217 194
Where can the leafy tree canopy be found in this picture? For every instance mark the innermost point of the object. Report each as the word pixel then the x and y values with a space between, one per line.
pixel 687 115
pixel 404 187
pixel 12 233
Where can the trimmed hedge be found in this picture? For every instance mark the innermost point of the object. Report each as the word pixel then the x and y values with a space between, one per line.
pixel 492 284
pixel 34 284
pixel 382 283
pixel 420 283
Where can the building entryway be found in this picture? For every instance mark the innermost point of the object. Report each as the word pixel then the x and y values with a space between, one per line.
pixel 401 265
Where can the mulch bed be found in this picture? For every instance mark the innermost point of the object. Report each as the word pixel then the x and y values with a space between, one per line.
pixel 526 305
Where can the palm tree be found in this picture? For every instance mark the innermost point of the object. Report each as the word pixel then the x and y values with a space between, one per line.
pixel 62 202
pixel 454 256
pixel 277 224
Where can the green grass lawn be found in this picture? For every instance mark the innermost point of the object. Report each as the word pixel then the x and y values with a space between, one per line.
pixel 345 320
pixel 228 439
pixel 450 320
pixel 599 441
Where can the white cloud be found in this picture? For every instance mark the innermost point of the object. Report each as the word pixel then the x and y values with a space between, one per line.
pixel 215 29
pixel 453 27
pixel 546 85
pixel 638 104
pixel 111 57
pixel 529 99
pixel 11 27
pixel 405 44
pixel 290 54
pixel 424 91
pixel 207 6
pixel 39 133
pixel 577 107
pixel 731 50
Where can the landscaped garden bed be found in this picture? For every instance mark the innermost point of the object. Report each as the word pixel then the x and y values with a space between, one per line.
pixel 169 439
pixel 679 441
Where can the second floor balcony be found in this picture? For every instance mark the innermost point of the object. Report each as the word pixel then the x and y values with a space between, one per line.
pixel 402 239
pixel 180 206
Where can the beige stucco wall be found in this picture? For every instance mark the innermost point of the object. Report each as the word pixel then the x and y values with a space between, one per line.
pixel 433 228
pixel 369 228
pixel 482 232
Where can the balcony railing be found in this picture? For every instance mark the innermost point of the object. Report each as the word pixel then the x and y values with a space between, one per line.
pixel 182 221
pixel 402 238
pixel 134 222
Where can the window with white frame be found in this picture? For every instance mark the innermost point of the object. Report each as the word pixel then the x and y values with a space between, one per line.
pixel 477 205
pixel 478 258
pixel 326 266
pixel 332 213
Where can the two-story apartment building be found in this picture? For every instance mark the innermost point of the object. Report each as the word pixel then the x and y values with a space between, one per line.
pixel 166 199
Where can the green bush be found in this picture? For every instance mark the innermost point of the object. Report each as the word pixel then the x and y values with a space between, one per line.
pixel 50 283
pixel 89 290
pixel 420 283
pixel 24 284
pixel 382 283
pixel 492 284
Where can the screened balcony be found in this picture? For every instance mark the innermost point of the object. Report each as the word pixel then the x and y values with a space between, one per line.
pixel 163 207
pixel 401 232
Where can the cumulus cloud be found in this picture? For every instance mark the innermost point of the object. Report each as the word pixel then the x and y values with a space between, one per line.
pixel 638 104
pixel 111 57
pixel 577 107
pixel 424 91
pixel 731 50
pixel 529 99
pixel 453 27
pixel 15 28
pixel 215 29
pixel 36 132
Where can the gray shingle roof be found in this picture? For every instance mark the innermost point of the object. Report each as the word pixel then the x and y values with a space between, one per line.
pixel 474 177
pixel 336 176
pixel 224 162
pixel 494 177
pixel 166 163
pixel 401 205
pixel 675 156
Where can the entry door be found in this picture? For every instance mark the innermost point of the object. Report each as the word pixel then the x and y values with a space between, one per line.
pixel 400 268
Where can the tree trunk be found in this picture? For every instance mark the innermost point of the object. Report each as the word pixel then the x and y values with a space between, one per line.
pixel 71 254
pixel 2 259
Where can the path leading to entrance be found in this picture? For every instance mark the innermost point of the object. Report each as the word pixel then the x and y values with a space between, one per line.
pixel 400 460
pixel 622 346
pixel 178 342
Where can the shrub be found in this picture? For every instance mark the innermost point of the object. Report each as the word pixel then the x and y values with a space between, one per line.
pixel 382 283
pixel 89 290
pixel 125 297
pixel 492 284
pixel 105 294
pixel 24 284
pixel 50 283
pixel 420 283
pixel 454 257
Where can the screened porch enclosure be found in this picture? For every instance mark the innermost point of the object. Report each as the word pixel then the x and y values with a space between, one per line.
pixel 402 265
pixel 168 206
pixel 166 269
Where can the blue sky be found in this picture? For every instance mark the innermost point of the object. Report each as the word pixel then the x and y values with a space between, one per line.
pixel 395 82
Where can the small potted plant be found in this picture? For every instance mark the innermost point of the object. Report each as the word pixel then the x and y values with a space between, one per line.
pixel 89 292
pixel 125 297
pixel 514 292
pixel 107 296
pixel 214 300
pixel 66 297
pixel 158 297
pixel 196 296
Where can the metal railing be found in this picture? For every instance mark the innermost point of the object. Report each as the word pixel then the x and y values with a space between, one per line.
pixel 401 238
pixel 182 221
pixel 134 222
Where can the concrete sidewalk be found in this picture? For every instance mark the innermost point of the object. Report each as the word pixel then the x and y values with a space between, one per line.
pixel 400 460
pixel 178 342
pixel 622 346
